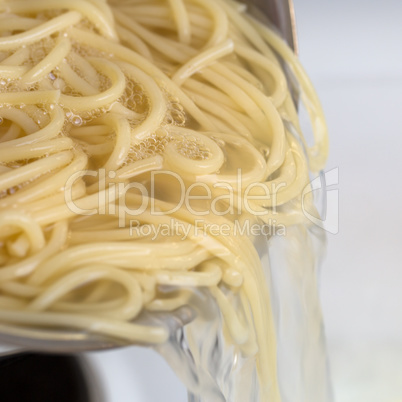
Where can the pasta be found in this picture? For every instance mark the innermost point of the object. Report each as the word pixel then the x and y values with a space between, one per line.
pixel 121 120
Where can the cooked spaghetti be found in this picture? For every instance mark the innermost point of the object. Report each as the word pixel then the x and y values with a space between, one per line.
pixel 143 115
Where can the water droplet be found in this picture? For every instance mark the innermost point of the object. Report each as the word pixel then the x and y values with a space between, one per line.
pixel 58 83
pixel 1 120
pixel 3 82
pixel 77 121
pixel 52 76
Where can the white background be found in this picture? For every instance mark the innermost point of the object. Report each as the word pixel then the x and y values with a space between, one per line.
pixel 353 53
